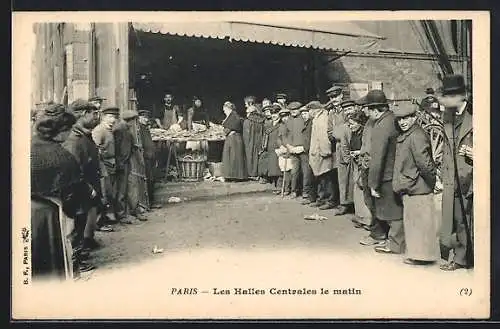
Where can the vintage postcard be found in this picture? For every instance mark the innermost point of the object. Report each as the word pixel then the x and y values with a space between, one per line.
pixel 251 165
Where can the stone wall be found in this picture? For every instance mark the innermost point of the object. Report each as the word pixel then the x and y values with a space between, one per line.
pixel 401 78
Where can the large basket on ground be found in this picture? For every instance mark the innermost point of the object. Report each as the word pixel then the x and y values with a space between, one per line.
pixel 190 169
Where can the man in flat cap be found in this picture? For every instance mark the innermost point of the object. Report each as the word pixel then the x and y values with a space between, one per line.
pixel 149 152
pixel 104 138
pixel 281 99
pixel 81 145
pixel 413 180
pixel 295 146
pixel 387 231
pixel 457 228
pixel 97 101
pixel 268 159
pixel 131 177
pixel 321 157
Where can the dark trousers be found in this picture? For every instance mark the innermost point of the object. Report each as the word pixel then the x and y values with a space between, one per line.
pixel 150 179
pixel 292 178
pixel 121 191
pixel 307 174
pixel 322 188
pixel 335 194
pixel 460 250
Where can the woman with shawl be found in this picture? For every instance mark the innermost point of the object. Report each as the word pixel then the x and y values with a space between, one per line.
pixel 58 198
pixel 233 154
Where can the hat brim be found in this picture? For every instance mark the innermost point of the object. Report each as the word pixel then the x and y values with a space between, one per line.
pixel 453 91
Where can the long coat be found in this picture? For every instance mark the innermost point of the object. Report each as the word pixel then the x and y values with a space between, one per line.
pixel 382 155
pixel 414 167
pixel 342 135
pixel 268 159
pixel 464 137
pixel 233 153
pixel 321 157
pixel 253 132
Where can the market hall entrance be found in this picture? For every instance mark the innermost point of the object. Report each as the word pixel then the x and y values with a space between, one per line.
pixel 217 70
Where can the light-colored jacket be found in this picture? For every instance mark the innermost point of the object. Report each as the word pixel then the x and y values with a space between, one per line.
pixel 321 157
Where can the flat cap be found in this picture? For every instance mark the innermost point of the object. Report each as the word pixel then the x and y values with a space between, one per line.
pixel 281 95
pixel 96 99
pixel 129 114
pixel 111 110
pixel 314 105
pixel 347 103
pixel 81 105
pixel 404 109
pixel 334 90
pixel 294 106
pixel 284 111
pixel 144 113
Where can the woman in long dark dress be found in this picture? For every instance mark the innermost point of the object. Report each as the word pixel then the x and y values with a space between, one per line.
pixel 58 196
pixel 233 154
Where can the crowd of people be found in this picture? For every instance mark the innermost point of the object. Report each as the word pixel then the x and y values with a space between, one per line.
pixel 364 157
pixel 85 177
pixel 370 159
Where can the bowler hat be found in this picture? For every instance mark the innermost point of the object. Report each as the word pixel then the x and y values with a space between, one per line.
pixel 111 110
pixel 374 97
pixel 294 106
pixel 453 84
pixel 404 109
pixel 334 91
pixel 129 115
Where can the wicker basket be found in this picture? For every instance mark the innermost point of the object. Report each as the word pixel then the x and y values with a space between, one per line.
pixel 191 170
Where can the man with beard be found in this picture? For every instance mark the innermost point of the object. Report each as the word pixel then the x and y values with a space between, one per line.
pixel 457 229
pixel 167 115
pixel 253 130
pixel 81 145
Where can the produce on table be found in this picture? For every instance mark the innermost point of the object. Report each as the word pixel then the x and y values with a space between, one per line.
pixel 215 132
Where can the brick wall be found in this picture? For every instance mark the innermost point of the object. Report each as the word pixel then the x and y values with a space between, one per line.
pixel 401 78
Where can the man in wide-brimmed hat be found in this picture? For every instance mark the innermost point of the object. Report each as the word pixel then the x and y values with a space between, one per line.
pixel 457 229
pixel 387 231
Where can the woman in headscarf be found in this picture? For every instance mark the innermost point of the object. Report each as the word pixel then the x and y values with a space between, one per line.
pixel 58 196
pixel 233 154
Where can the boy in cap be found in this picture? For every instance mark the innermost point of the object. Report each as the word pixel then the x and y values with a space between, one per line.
pixel 413 180
pixel 457 228
pixel 103 137
pixel 286 162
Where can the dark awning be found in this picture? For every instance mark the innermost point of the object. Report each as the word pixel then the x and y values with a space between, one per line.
pixel 326 35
